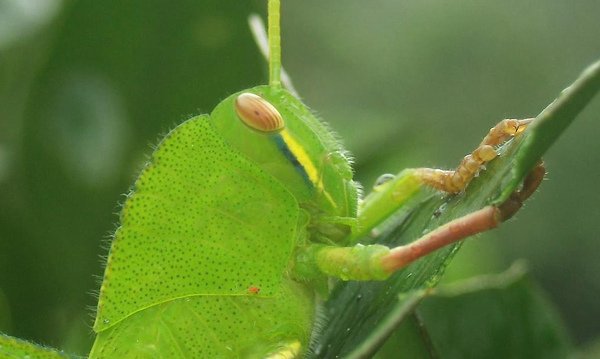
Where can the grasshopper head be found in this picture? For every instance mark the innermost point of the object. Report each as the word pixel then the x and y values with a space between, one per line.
pixel 275 131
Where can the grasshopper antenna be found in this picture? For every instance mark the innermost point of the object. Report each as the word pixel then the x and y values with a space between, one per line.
pixel 259 32
pixel 274 35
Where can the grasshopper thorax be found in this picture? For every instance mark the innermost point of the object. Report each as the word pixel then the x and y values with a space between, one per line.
pixel 275 131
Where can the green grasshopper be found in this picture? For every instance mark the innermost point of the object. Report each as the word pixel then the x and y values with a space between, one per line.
pixel 243 214
pixel 233 229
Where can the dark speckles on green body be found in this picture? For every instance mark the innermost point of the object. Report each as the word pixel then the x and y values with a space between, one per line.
pixel 210 327
pixel 202 223
pixel 218 210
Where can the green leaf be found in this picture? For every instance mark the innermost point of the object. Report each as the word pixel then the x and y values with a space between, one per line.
pixel 489 316
pixel 407 341
pixel 361 310
pixel 493 316
pixel 590 350
pixel 12 348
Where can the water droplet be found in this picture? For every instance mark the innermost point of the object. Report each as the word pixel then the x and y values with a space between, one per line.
pixel 381 180
pixel 374 233
pixel 438 212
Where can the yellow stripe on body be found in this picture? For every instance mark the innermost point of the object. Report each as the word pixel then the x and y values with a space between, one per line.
pixel 290 351
pixel 306 162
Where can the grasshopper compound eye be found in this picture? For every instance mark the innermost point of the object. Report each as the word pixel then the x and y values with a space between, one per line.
pixel 258 114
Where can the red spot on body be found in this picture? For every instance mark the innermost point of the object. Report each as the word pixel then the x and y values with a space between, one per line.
pixel 253 290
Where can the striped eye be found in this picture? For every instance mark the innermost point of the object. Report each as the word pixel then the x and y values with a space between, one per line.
pixel 258 114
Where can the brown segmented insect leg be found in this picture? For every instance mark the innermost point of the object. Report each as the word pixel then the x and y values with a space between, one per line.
pixel 479 221
pixel 518 197
pixel 456 181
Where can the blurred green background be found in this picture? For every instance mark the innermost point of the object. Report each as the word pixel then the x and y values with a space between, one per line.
pixel 86 87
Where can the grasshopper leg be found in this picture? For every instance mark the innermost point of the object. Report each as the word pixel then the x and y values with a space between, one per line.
pixel 455 181
pixel 394 191
pixel 479 221
pixel 518 197
pixel 377 262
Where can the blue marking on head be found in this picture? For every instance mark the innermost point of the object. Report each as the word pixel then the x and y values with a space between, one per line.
pixel 283 147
